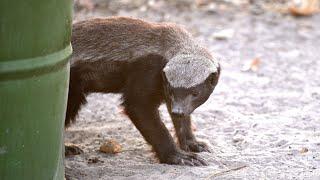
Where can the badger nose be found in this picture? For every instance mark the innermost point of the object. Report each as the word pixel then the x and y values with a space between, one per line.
pixel 177 111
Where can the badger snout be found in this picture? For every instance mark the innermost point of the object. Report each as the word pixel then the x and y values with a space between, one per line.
pixel 177 110
pixel 181 107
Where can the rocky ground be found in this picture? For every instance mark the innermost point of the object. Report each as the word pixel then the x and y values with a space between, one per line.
pixel 263 119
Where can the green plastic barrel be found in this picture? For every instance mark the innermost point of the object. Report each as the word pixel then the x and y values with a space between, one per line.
pixel 34 74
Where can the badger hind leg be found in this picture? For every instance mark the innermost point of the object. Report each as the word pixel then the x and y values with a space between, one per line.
pixel 76 97
pixel 89 77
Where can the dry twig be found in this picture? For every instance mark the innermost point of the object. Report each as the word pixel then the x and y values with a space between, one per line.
pixel 226 171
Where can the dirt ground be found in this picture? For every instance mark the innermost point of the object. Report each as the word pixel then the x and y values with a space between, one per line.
pixel 262 124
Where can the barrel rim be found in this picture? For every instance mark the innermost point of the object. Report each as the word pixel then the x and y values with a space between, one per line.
pixel 24 68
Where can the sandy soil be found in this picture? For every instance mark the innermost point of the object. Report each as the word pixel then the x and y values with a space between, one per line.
pixel 260 125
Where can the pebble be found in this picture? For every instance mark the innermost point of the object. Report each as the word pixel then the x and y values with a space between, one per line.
pixel 223 34
pixel 110 147
pixel 237 139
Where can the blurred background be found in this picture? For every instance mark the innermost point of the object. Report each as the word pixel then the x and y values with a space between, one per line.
pixel 263 119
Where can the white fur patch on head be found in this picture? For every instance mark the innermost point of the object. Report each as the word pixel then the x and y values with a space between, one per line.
pixel 187 70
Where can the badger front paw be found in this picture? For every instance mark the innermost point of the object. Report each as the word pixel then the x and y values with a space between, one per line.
pixel 195 146
pixel 185 159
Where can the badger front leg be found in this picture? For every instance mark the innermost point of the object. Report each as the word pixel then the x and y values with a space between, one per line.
pixel 145 117
pixel 186 138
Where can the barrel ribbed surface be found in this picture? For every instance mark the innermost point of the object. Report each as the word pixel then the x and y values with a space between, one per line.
pixel 34 74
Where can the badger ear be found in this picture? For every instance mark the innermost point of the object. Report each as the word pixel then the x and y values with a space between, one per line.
pixel 164 72
pixel 212 78
pixel 163 75
pixel 165 69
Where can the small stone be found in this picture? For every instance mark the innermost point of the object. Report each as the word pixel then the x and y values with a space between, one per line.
pixel 202 2
pixel 304 7
pixel 228 129
pixel 304 150
pixel 94 160
pixel 223 34
pixel 281 143
pixel 72 149
pixel 211 8
pixel 237 139
pixel 252 65
pixel 110 147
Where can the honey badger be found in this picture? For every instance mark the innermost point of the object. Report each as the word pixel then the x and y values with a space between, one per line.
pixel 148 63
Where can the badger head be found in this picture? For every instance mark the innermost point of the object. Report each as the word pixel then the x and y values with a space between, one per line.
pixel 188 82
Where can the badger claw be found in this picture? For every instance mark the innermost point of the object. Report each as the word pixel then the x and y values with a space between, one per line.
pixel 185 159
pixel 195 146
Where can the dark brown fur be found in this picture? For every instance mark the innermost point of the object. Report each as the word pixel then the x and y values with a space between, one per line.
pixel 124 39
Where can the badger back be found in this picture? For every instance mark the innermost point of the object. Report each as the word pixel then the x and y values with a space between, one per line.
pixel 115 38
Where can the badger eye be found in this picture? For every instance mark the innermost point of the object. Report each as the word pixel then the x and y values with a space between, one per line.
pixel 213 79
pixel 195 94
